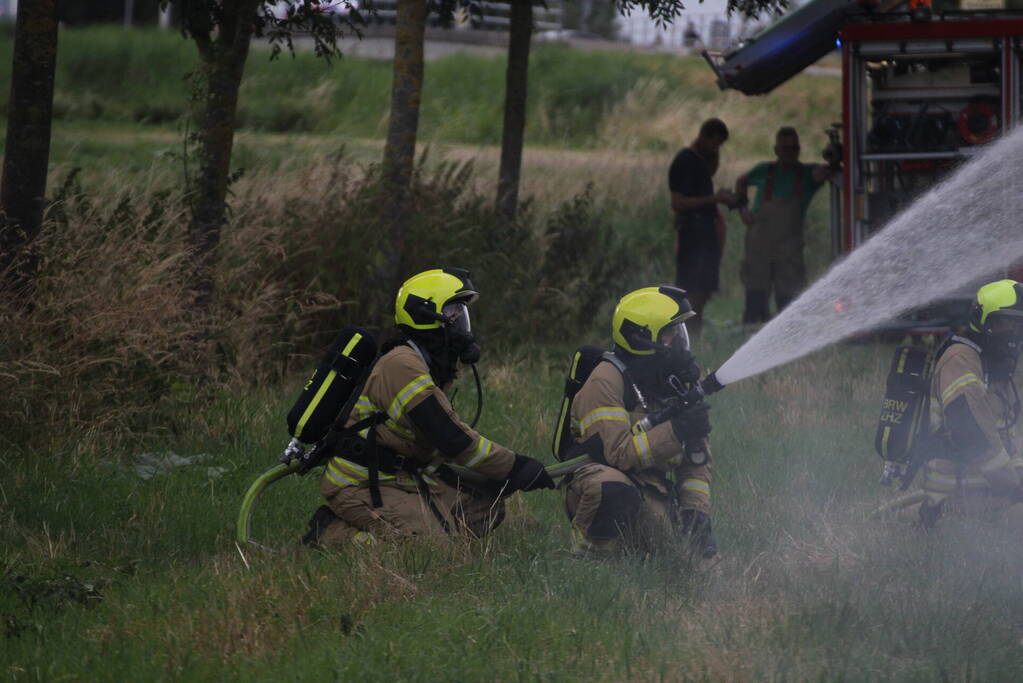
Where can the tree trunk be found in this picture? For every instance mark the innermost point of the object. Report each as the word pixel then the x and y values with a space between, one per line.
pixel 166 20
pixel 520 33
pixel 400 149
pixel 30 108
pixel 223 63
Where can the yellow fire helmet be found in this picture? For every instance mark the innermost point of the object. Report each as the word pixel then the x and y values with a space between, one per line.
pixel 1000 299
pixel 421 299
pixel 641 316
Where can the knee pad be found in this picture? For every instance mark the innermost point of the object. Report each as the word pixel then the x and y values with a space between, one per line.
pixel 619 504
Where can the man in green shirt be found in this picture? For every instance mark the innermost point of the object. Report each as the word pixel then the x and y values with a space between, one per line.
pixel 774 235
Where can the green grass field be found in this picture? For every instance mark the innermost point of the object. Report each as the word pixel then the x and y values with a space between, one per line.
pixel 106 575
pixel 109 576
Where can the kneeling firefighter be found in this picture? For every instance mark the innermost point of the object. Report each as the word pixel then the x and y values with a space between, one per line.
pixel 392 479
pixel 974 404
pixel 651 474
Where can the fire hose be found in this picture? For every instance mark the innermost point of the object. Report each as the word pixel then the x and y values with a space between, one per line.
pixel 244 534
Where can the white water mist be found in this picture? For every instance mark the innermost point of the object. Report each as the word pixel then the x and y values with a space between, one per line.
pixel 966 227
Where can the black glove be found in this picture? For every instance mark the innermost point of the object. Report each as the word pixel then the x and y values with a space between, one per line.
pixel 528 474
pixel 692 423
pixel 701 535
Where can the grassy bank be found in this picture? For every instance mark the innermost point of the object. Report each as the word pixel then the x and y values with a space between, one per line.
pixel 110 576
pixel 576 98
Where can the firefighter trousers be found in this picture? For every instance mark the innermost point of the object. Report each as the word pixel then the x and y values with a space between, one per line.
pixel 606 506
pixel 975 487
pixel 446 512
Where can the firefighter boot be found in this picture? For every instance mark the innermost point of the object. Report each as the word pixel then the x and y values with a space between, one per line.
pixel 929 513
pixel 318 523
pixel 594 547
pixel 701 536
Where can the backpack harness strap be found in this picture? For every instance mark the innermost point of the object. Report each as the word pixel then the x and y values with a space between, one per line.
pixel 637 395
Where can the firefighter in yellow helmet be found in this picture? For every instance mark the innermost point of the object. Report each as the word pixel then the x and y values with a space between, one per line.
pixel 974 405
pixel 394 480
pixel 651 476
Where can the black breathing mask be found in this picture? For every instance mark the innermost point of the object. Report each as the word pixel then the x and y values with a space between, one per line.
pixel 458 329
pixel 681 363
pixel 674 355
pixel 1001 353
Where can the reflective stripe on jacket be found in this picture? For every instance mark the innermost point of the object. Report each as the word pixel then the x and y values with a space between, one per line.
pixel 399 382
pixel 970 414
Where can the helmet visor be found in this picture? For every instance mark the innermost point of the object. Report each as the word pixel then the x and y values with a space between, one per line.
pixel 457 316
pixel 674 336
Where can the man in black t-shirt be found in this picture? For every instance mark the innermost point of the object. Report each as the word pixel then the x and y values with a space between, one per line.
pixel 695 205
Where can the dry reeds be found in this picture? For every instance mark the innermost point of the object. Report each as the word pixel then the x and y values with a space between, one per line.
pixel 110 342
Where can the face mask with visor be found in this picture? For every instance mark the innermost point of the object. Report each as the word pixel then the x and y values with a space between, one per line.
pixel 676 357
pixel 674 337
pixel 456 317
pixel 458 328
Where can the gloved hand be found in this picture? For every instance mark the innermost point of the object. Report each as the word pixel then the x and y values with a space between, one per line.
pixel 692 423
pixel 701 536
pixel 528 474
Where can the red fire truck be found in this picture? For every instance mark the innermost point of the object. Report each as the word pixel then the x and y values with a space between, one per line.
pixel 921 90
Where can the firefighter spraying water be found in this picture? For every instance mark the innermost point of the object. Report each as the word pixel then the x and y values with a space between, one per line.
pixel 637 413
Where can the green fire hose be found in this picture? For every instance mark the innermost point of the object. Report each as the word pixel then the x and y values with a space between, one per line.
pixel 249 501
pixel 244 535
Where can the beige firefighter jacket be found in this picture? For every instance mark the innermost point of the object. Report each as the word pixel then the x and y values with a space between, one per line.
pixel 971 416
pixel 959 372
pixel 399 382
pixel 599 408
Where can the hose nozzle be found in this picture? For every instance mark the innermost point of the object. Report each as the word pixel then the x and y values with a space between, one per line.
pixel 710 384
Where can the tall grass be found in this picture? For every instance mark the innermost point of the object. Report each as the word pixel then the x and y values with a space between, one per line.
pixel 109 342
pixel 111 323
